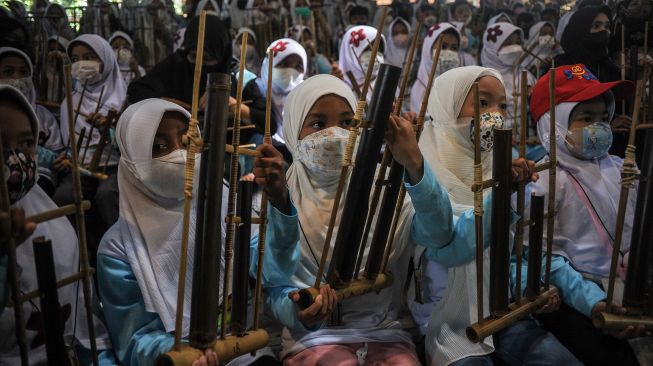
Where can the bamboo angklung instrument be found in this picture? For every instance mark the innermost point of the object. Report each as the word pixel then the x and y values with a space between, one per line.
pixel 55 346
pixel 552 167
pixel 535 235
pixel 80 224
pixel 14 275
pixel 502 313
pixel 629 174
pixel 90 132
pixel 419 124
pixel 391 183
pixel 308 295
pixel 521 189
pixel 208 241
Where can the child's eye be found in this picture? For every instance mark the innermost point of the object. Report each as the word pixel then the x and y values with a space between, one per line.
pixel 504 107
pixel 159 147
pixel 28 143
pixel 347 123
pixel 317 125
pixel 484 103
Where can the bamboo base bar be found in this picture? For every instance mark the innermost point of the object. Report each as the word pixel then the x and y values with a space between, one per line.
pixel 227 349
pixel 479 331
pixel 58 212
pixel 355 288
pixel 608 321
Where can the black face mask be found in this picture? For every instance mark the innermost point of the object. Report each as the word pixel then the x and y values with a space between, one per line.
pixel 598 40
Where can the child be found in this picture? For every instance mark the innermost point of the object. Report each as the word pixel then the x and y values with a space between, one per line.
pixel 448 147
pixel 317 115
pixel 123 46
pixel 19 126
pixel 398 36
pixel 355 56
pixel 449 59
pixel 587 196
pixel 138 257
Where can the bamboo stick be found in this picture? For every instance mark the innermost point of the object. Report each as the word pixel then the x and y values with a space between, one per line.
pixel 90 132
pixel 194 142
pixel 521 191
pixel 553 162
pixel 79 219
pixel 478 202
pixel 14 275
pixel 347 159
pixel 57 213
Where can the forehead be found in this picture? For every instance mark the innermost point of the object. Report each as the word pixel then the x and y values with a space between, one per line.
pixel 12 60
pixel 81 49
pixel 597 104
pixel 330 103
pixel 492 85
pixel 13 118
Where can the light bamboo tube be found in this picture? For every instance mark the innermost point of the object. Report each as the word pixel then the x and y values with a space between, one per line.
pixel 194 146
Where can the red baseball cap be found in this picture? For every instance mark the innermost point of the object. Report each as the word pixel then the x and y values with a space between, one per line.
pixel 574 83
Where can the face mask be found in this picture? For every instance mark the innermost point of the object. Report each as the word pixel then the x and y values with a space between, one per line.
pixel 365 59
pixel 164 176
pixel 286 79
pixel 509 54
pixel 489 121
pixel 598 40
pixel 88 71
pixel 448 60
pixel 590 142
pixel 546 41
pixel 401 40
pixel 303 11
pixel 430 21
pixel 25 85
pixel 124 56
pixel 321 152
pixel 20 170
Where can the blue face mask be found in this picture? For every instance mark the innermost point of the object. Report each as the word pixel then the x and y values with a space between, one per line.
pixel 590 142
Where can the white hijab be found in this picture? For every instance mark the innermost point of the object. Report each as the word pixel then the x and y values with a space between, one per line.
pixel 495 19
pixel 419 87
pixel 283 47
pixel 313 197
pixel 494 36
pixel 449 151
pixel 150 227
pixel 534 38
pixel 111 80
pixel 353 44
pixel 66 262
pixel 395 55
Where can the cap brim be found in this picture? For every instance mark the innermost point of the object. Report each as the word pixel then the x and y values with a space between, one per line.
pixel 621 89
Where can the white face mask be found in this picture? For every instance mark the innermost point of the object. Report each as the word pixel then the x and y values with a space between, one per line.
pixel 87 71
pixel 124 56
pixel 546 41
pixel 489 121
pixel 448 60
pixel 510 54
pixel 286 79
pixel 401 40
pixel 25 85
pixel 164 176
pixel 322 152
pixel 365 59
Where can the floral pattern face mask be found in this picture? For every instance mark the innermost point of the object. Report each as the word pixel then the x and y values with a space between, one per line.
pixel 321 152
pixel 20 171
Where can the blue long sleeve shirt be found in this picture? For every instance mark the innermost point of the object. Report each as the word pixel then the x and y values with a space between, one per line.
pixel 138 336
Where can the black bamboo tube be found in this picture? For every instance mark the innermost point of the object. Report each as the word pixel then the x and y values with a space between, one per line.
pixel 55 347
pixel 82 134
pixel 500 229
pixel 384 221
pixel 348 240
pixel 637 291
pixel 535 236
pixel 208 238
pixel 240 287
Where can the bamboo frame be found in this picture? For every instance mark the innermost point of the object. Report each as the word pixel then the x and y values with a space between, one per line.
pixel 553 163
pixel 90 132
pixel 349 150
pixel 79 218
pixel 57 213
pixel 194 142
pixel 357 287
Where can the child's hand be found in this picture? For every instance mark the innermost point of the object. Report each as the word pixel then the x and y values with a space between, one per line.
pixel 628 332
pixel 320 310
pixel 401 140
pixel 61 163
pixel 270 173
pixel 553 304
pixel 524 171
pixel 14 225
pixel 621 123
pixel 209 358
pixel 335 71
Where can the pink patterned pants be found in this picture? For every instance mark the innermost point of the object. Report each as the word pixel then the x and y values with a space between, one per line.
pixel 378 354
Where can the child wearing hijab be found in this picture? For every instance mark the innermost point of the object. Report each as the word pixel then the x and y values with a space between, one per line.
pixel 542 43
pixel 123 46
pixel 138 258
pixel 355 56
pixel 55 60
pixel 288 68
pixel 398 37
pixel 449 59
pixel 19 126
pixel 587 196
pixel 16 70
pixel 97 75
pixel 318 113
pixel 448 147
pixel 502 48
pixel 253 62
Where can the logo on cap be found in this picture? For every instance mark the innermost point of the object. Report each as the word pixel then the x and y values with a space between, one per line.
pixel 580 72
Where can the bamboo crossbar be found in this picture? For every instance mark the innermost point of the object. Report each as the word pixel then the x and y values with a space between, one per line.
pixel 357 287
pixel 61 283
pixel 615 322
pixel 57 213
